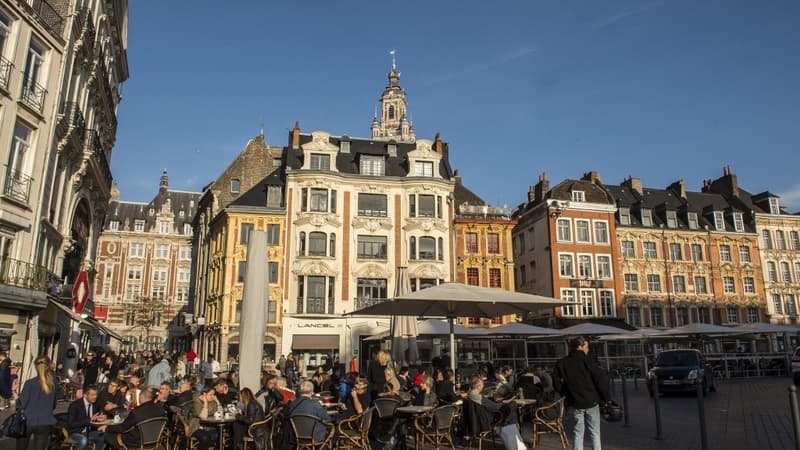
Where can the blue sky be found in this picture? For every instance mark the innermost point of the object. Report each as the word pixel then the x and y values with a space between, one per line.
pixel 661 90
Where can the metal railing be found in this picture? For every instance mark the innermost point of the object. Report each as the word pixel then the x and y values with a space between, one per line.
pixel 5 72
pixel 73 115
pixel 364 302
pixel 33 95
pixel 17 185
pixel 45 14
pixel 22 274
pixel 94 144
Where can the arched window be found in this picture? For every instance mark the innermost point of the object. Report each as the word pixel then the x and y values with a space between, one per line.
pixel 316 243
pixel 332 245
pixel 390 114
pixel 427 248
pixel 301 244
pixel 412 248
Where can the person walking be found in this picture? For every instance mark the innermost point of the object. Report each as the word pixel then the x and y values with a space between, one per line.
pixel 583 383
pixel 354 363
pixel 38 400
pixel 5 380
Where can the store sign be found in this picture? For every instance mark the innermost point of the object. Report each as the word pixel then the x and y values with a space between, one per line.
pixel 101 313
pixel 80 292
pixel 317 325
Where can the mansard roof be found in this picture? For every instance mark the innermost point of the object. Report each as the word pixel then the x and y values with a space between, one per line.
pixel 128 212
pixel 256 197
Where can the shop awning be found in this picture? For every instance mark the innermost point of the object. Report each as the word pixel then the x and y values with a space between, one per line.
pixel 71 314
pixel 315 342
pixel 104 329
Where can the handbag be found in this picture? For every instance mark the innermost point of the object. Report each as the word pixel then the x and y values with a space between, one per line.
pixel 16 425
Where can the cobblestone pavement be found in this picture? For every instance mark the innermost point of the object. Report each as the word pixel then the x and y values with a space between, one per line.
pixel 742 415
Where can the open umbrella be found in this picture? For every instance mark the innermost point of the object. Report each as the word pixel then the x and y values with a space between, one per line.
pixel 591 329
pixel 765 328
pixel 519 329
pixel 698 328
pixel 451 300
pixel 404 328
pixel 433 327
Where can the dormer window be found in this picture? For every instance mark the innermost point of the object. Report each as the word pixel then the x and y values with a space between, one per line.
pixel 320 162
pixel 672 219
pixel 423 168
pixel 371 165
pixel 392 150
pixel 738 222
pixel 625 216
pixel 113 225
pixel 719 221
pixel 235 186
pixel 774 206
pixel 274 196
pixel 578 196
pixel 691 218
pixel 138 226
pixel 344 146
pixel 647 217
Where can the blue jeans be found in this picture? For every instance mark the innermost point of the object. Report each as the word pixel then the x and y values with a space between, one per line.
pixel 81 440
pixel 590 419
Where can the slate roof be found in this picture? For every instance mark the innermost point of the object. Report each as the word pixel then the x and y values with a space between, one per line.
pixel 128 212
pixel 257 195
pixel 396 166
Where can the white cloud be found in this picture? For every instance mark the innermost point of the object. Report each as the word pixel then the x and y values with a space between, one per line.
pixel 791 198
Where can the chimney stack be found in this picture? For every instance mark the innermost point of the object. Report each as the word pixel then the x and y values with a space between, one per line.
pixel 679 187
pixel 592 176
pixel 541 188
pixel 456 177
pixel 296 135
pixel 633 184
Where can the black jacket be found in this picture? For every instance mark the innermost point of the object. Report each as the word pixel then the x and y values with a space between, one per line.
pixel 272 399
pixel 446 392
pixel 145 411
pixel 580 380
pixel 253 413
pixel 376 377
pixel 77 419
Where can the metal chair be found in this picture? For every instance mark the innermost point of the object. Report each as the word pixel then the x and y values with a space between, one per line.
pixel 435 427
pixel 151 434
pixel 385 408
pixel 303 428
pixel 253 429
pixel 182 436
pixel 550 419
pixel 479 424
pixel 354 431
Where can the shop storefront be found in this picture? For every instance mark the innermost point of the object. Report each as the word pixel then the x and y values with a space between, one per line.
pixel 312 338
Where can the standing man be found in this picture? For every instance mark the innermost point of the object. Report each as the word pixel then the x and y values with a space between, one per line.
pixel 90 369
pixel 209 368
pixel 584 385
pixel 191 356
pixel 5 380
pixel 354 363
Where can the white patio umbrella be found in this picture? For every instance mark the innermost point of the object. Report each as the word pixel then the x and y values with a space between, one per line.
pixel 451 300
pixel 433 327
pixel 404 328
pixel 698 328
pixel 520 329
pixel 766 328
pixel 642 333
pixel 591 329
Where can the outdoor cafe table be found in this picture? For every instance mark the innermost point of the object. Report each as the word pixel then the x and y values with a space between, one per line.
pixel 410 412
pixel 109 421
pixel 521 404
pixel 220 423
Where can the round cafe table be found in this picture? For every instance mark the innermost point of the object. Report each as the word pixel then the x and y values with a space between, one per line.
pixel 220 423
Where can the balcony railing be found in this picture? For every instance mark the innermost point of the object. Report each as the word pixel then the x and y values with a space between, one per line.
pixel 17 186
pixel 365 302
pixel 22 274
pixel 5 72
pixel 93 143
pixel 73 116
pixel 45 14
pixel 33 95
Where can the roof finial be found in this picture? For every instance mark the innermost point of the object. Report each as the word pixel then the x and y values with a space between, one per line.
pixel 393 52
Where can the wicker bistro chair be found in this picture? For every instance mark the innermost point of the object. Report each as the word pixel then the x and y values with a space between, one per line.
pixel 152 434
pixel 479 424
pixel 253 430
pixel 303 427
pixel 384 410
pixel 63 443
pixel 354 431
pixel 435 427
pixel 182 438
pixel 550 419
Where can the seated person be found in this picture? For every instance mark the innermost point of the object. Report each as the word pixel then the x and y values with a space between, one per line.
pixel 145 411
pixel 270 397
pixel 506 415
pixel 446 390
pixel 164 393
pixel 530 384
pixel 426 397
pixel 402 377
pixel 503 389
pixel 80 414
pixel 109 400
pixel 546 383
pixel 392 384
pixel 357 400
pixel 204 406
pixel 250 412
pixel 286 393
pixel 183 396
pixel 304 404
pixel 225 394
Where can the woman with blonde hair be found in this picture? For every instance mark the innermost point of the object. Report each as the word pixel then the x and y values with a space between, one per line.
pixel 38 400
pixel 392 383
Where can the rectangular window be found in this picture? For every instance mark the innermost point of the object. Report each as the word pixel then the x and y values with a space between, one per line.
pixel 317 244
pixel 274 196
pixel 18 175
pixel 371 247
pixel 240 272
pixel 780 240
pixel 634 316
pixel 244 233
pixel 372 205
pixel 600 232
pixel 473 276
pixel 704 315
pixel 697 252
pixel 786 273
pixel 738 222
pixel 185 252
pixel 113 225
pixel 691 219
pixel 132 291
pixel 427 206
pixel 672 219
pixel 733 314
pixel 235 186
pixel 797 270
pixel 647 217
pixel 564 228
pixel 719 221
pixel 682 314
pixel 587 302
pixel 777 304
pixel 752 315
pixel 628 249
pixel 134 272
pixel 164 227
pixel 187 229
pixel 138 226
pixel 273 234
pixel 272 311
pixel 319 200
pixel 493 243
pixel 159 293
pixel 495 280
pixel 182 294
pixel 772 271
pixel 607 303
pixel 320 162
pixel 582 233
pixel 679 284
pixel 273 272
pixel 604 267
pixel 700 285
pixel 566 265
pixel 159 275
pixel 650 250
pixel 372 165
pixel 791 306
pixel 656 317
pixel 471 241
pixel 585 267
pixel 724 252
pixel 578 196
pixel 653 283
pixel 675 251
pixel 631 282
pixel 728 285
pixel 137 250
pixel 315 295
pixel 749 285
pixel 625 216
pixel 568 295
pixel 162 251
pixel 183 275
pixel 423 168
pixel 744 254
pixel 33 76
pixel 774 206
pixel 767 239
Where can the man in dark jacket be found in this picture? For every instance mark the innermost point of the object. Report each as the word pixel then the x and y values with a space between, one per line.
pixel 80 414
pixel 146 410
pixel 584 385
pixel 90 369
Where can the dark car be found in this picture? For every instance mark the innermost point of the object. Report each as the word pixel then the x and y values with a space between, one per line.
pixel 680 371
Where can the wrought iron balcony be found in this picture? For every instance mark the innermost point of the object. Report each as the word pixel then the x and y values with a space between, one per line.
pixel 5 72
pixel 17 185
pixel 22 274
pixel 73 116
pixel 365 302
pixel 33 95
pixel 46 15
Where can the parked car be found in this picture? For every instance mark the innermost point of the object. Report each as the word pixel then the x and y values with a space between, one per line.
pixel 680 371
pixel 796 365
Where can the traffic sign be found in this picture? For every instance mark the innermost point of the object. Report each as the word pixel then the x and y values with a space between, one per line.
pixel 80 291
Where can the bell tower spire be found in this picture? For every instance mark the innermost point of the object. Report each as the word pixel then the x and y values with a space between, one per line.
pixel 393 122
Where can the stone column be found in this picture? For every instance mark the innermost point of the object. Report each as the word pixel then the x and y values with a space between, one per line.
pixel 251 334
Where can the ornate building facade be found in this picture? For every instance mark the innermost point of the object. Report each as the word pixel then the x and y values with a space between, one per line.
pixel 144 269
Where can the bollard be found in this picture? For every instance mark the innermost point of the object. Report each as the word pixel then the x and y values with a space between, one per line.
pixel 795 415
pixel 625 402
pixel 659 434
pixel 701 411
